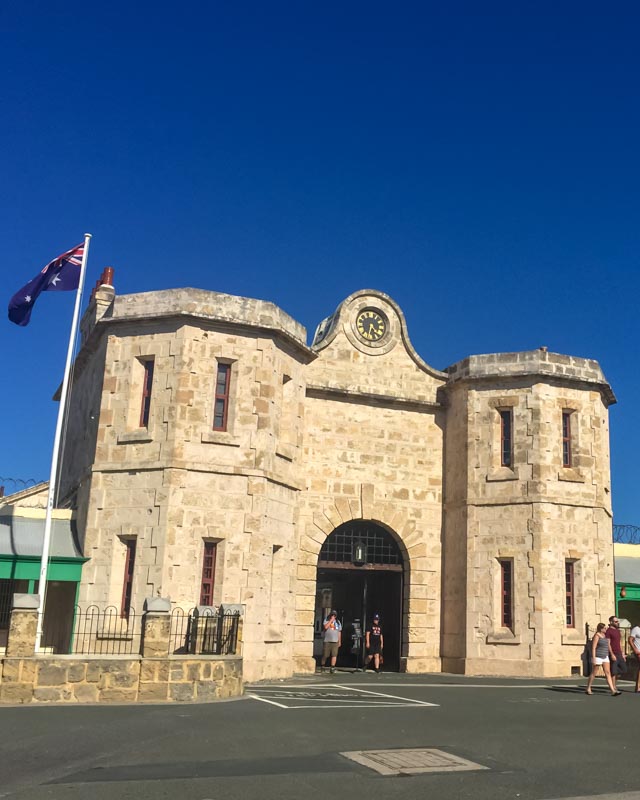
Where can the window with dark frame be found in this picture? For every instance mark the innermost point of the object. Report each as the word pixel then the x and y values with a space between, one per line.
pixel 506 593
pixel 208 574
pixel 569 579
pixel 129 564
pixel 147 383
pixel 506 437
pixel 221 399
pixel 566 439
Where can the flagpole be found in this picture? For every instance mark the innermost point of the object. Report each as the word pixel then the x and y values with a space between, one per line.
pixel 53 475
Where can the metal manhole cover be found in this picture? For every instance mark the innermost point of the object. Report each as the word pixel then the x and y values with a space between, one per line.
pixel 411 761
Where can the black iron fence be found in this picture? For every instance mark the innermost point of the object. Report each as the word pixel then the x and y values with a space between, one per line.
pixel 7 589
pixel 105 631
pixel 204 633
pixel 94 631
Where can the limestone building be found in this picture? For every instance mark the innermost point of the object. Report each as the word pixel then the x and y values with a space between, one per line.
pixel 213 456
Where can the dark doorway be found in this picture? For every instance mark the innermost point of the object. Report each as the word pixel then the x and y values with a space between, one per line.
pixel 360 572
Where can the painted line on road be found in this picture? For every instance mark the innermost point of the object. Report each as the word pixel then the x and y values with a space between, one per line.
pixel 264 700
pixel 615 796
pixel 380 694
pixel 359 706
pixel 461 685
pixel 302 686
pixel 298 698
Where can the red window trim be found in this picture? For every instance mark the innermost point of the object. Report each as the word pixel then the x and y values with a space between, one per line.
pixel 567 445
pixel 147 386
pixel 222 396
pixel 569 579
pixel 506 437
pixel 208 573
pixel 127 585
pixel 506 593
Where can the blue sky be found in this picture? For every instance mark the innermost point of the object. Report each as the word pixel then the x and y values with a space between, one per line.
pixel 478 162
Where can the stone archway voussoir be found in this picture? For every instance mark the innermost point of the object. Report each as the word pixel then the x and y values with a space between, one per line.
pixel 322 522
pixel 344 509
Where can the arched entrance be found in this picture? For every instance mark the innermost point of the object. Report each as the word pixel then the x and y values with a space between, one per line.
pixel 360 572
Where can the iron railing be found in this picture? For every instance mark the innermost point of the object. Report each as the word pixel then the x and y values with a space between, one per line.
pixel 94 631
pixel 7 589
pixel 206 632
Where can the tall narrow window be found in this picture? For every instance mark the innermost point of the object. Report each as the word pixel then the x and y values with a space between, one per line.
pixel 129 564
pixel 506 593
pixel 208 574
pixel 566 439
pixel 570 593
pixel 221 401
pixel 147 383
pixel 506 438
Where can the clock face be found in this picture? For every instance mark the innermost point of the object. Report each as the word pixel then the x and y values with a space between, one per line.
pixel 371 325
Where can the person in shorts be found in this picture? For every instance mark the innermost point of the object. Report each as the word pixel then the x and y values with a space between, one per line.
pixel 374 642
pixel 332 639
pixel 619 665
pixel 601 656
pixel 634 642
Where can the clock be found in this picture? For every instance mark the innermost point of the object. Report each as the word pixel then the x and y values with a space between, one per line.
pixel 371 325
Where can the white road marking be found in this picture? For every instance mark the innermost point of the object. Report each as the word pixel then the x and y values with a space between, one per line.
pixel 303 686
pixel 407 699
pixel 300 695
pixel 264 700
pixel 460 685
pixel 616 796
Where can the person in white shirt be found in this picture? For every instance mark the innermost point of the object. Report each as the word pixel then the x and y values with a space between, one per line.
pixel 634 641
pixel 332 640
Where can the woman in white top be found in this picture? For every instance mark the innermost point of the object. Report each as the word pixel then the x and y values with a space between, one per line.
pixel 601 656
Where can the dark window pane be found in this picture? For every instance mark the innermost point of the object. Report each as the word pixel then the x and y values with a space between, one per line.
pixel 221 400
pixel 566 438
pixel 127 588
pixel 147 384
pixel 506 568
pixel 506 447
pixel 379 546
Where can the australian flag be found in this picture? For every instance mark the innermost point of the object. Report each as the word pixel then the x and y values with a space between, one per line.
pixel 60 275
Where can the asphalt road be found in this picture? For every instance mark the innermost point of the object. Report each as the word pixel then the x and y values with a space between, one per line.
pixel 536 739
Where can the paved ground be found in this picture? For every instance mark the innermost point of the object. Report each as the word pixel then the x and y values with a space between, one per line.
pixel 536 740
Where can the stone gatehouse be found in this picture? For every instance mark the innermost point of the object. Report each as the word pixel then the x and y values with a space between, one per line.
pixel 214 457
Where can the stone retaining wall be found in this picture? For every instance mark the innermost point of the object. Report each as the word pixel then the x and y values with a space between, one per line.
pixel 153 676
pixel 119 679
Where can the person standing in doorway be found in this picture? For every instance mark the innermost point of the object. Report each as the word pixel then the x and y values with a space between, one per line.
pixel 634 641
pixel 619 666
pixel 374 642
pixel 332 639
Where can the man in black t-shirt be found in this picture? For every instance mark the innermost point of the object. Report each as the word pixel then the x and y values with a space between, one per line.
pixel 374 642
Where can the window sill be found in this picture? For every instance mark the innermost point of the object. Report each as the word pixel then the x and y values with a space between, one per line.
pixel 141 435
pixel 571 474
pixel 219 437
pixel 503 637
pixel 503 474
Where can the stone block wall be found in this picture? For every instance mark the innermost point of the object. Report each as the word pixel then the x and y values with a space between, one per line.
pixel 152 676
pixel 348 429
pixel 177 483
pixel 373 450
pixel 119 679
pixel 535 512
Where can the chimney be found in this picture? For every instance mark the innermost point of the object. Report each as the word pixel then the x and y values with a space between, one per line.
pixel 101 300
